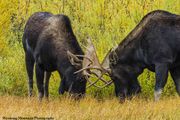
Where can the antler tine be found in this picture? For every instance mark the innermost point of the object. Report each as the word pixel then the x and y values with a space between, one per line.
pixel 107 73
pixel 73 61
pixel 89 75
pixel 100 87
pixel 99 77
pixel 85 57
pixel 92 83
pixel 109 83
pixel 88 68
pixel 85 47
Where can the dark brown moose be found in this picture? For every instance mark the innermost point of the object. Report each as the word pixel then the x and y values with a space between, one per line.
pixel 46 40
pixel 154 44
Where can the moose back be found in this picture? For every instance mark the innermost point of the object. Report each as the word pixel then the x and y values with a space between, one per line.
pixel 154 44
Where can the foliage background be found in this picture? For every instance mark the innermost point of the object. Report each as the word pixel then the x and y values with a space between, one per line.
pixel 106 21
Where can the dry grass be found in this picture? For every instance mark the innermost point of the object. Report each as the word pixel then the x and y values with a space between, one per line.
pixel 90 108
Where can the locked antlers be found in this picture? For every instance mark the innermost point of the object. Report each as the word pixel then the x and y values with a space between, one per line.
pixel 90 65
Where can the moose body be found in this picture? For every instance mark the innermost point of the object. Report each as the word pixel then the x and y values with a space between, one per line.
pixel 153 44
pixel 46 40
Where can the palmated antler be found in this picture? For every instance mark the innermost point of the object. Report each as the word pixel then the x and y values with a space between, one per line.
pixel 91 66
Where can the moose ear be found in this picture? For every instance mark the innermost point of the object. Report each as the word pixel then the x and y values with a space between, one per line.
pixel 74 60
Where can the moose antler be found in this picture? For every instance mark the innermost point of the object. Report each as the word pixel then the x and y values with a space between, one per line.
pixel 91 66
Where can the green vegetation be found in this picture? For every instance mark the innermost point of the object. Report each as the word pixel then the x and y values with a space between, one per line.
pixel 107 22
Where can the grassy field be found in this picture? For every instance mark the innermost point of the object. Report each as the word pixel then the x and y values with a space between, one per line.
pixel 91 109
pixel 107 22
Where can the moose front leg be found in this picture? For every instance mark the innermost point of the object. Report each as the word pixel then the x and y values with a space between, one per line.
pixel 161 70
pixel 46 88
pixel 40 81
pixel 134 87
pixel 62 86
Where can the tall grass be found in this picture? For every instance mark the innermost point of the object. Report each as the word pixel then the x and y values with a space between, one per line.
pixel 106 21
pixel 91 109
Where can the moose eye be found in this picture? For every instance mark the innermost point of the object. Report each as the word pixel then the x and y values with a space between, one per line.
pixel 112 61
pixel 80 79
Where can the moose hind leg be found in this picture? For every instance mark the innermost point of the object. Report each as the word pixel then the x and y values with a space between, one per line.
pixel 161 70
pixel 46 88
pixel 40 81
pixel 175 73
pixel 29 67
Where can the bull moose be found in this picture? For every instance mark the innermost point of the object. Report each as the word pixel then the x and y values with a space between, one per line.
pixel 46 40
pixel 154 44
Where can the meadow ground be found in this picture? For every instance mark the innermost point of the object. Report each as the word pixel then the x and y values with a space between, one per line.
pixel 90 108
